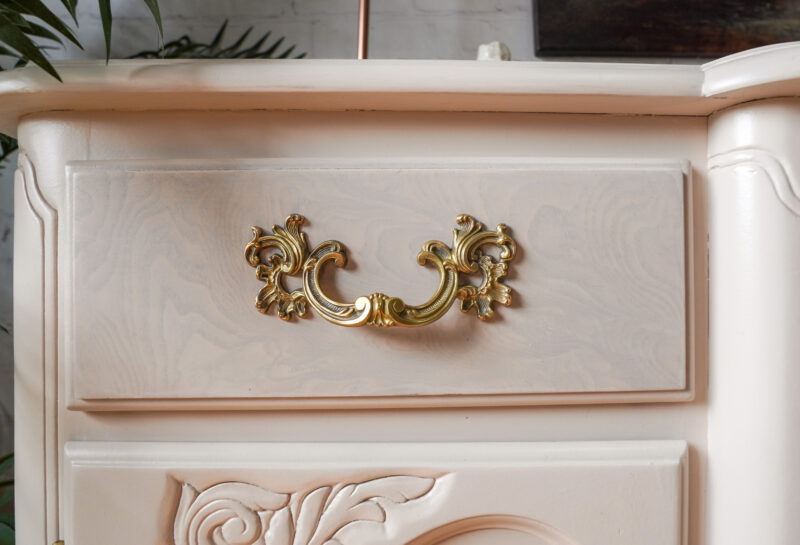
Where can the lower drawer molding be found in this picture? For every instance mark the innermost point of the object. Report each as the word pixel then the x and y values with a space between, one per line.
pixel 585 493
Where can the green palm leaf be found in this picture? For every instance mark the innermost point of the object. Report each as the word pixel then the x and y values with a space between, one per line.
pixel 6 496
pixel 17 32
pixel 106 18
pixel 40 31
pixel 37 9
pixel 12 35
pixel 71 6
pixel 187 48
pixel 153 6
pixel 6 462
pixel 6 534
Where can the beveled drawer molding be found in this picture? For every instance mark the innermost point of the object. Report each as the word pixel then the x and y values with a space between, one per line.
pixel 158 301
pixel 567 493
pixel 377 309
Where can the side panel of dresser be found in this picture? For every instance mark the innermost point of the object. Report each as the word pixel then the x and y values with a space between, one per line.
pixel 754 265
pixel 35 375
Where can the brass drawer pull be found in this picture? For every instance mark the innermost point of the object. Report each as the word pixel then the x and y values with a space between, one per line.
pixel 292 256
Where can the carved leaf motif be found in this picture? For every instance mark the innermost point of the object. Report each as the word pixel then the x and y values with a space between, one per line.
pixel 244 514
pixel 361 502
pixel 225 514
pixel 308 514
pixel 281 528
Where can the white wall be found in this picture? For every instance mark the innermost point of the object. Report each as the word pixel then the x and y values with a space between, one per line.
pixel 400 29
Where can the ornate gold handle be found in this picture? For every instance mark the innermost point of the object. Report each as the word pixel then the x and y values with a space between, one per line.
pixel 291 256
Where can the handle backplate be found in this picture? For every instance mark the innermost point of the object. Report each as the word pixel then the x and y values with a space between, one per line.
pixel 285 252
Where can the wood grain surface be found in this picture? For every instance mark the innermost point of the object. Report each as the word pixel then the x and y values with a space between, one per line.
pixel 159 300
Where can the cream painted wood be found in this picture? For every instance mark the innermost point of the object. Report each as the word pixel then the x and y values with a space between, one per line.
pixel 754 231
pixel 506 536
pixel 365 135
pixel 161 308
pixel 400 85
pixel 625 493
pixel 740 427
pixel 35 384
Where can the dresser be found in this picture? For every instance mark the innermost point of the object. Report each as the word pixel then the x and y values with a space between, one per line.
pixel 313 302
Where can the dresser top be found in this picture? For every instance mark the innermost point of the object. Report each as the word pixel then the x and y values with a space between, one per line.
pixel 403 85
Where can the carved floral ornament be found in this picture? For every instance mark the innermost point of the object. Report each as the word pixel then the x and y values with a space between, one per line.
pixel 291 256
pixel 237 513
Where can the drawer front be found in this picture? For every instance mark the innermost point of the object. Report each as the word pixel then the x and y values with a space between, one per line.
pixel 626 493
pixel 159 298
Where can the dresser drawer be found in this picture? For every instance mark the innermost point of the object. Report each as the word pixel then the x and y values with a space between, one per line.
pixel 159 298
pixel 625 493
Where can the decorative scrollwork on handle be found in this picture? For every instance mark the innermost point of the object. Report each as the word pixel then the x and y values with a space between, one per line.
pixel 290 256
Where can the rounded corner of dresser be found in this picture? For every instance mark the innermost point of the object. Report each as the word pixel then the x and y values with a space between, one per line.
pixel 754 74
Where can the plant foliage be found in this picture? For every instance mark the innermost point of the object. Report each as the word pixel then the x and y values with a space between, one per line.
pixel 6 499
pixel 186 48
pixel 8 145
pixel 182 48
pixel 24 23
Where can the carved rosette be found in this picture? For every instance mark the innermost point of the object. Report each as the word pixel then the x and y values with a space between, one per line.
pixel 464 258
pixel 236 513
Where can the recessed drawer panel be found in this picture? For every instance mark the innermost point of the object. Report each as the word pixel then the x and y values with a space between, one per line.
pixel 625 493
pixel 159 299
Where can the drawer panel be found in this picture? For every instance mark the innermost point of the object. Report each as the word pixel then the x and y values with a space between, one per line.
pixel 159 299
pixel 626 493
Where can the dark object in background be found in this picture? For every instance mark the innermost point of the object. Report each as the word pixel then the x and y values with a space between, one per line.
pixel 661 28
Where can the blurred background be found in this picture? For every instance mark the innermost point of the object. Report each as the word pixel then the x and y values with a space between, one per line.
pixel 400 29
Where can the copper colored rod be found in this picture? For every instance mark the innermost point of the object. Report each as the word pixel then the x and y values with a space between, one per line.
pixel 363 28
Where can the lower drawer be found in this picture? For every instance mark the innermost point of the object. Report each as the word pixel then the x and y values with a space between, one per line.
pixel 626 493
